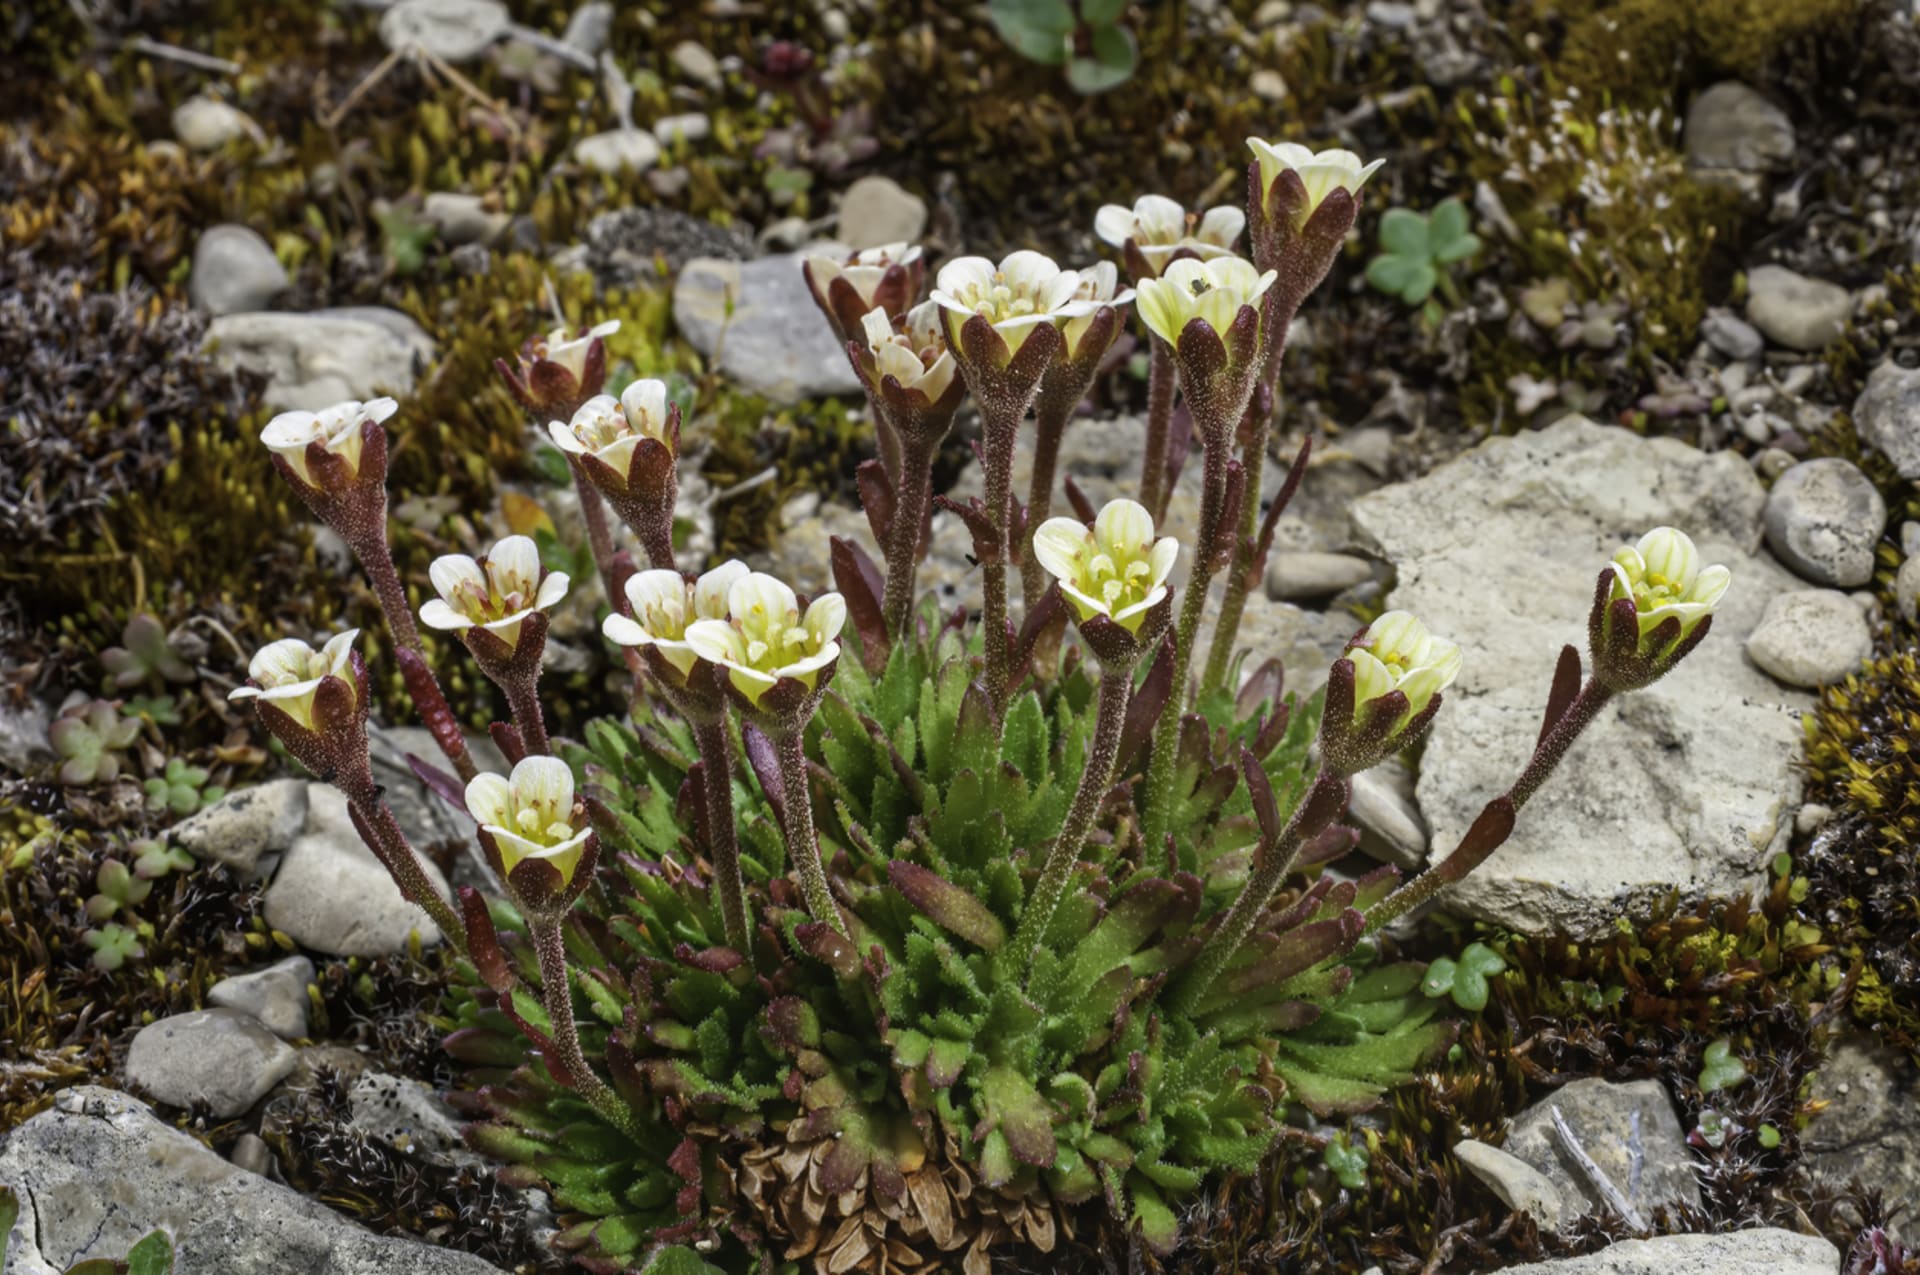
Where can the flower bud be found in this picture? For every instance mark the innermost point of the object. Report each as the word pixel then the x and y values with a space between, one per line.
pixel 1384 692
pixel 339 431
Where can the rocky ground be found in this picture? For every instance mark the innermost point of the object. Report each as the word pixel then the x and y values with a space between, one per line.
pixel 1694 304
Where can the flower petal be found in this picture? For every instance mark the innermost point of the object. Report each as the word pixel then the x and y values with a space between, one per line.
pixel 490 800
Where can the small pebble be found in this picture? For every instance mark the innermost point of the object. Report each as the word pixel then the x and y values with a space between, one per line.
pixel 1823 519
pixel 1810 637
pixel 1795 311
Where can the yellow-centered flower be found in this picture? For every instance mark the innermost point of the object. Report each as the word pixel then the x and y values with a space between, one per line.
pixel 665 603
pixel 1398 653
pixel 1321 172
pixel 1159 227
pixel 288 672
pixel 1024 291
pixel 1210 290
pixel 496 593
pixel 610 428
pixel 918 357
pixel 1663 576
pixel 1115 568
pixel 571 352
pixel 336 428
pixel 766 637
pixel 531 815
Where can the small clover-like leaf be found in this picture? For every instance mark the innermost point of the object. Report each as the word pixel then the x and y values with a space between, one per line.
pixel 113 945
pixel 1115 56
pixel 1769 1136
pixel 1465 979
pixel 151 1256
pixel 1036 29
pixel 1347 1160
pixel 1405 233
pixel 155 859
pixel 1720 1067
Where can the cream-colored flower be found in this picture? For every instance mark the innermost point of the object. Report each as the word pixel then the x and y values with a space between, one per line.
pixel 1321 172
pixel 1024 291
pixel 1099 286
pixel 571 352
pixel 1663 576
pixel 1398 653
pixel 1116 568
pixel 765 637
pixel 1159 227
pixel 496 593
pixel 918 357
pixel 531 815
pixel 665 603
pixel 288 672
pixel 864 269
pixel 1210 290
pixel 336 428
pixel 609 429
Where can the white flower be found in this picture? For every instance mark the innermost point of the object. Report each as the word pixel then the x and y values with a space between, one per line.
pixel 1099 286
pixel 571 353
pixel 287 673
pixel 1210 290
pixel 336 428
pixel 1159 227
pixel 609 429
pixel 918 358
pixel 1321 172
pixel 1024 291
pixel 864 269
pixel 765 637
pixel 1663 576
pixel 1116 569
pixel 497 593
pixel 665 603
pixel 531 815
pixel 1398 653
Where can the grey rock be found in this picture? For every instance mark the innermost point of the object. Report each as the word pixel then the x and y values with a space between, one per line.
pixel 693 126
pixel 696 63
pixel 1519 1185
pixel 1812 817
pixel 1906 590
pixel 234 269
pixel 879 210
pixel 453 30
pixel 332 895
pixel 1910 539
pixel 99 1171
pixel 1795 311
pixel 1731 335
pixel 774 342
pixel 1823 519
pixel 423 815
pixel 462 218
pixel 1732 128
pixel 402 1113
pixel 242 826
pixel 1384 809
pixel 1870 1129
pixel 219 1057
pixel 250 1152
pixel 628 246
pixel 1688 784
pixel 204 123
pixel 619 148
pixel 1887 416
pixel 1810 637
pixel 1609 1120
pixel 589 27
pixel 1293 576
pixel 276 995
pixel 24 745
pixel 314 360
pixel 1766 1251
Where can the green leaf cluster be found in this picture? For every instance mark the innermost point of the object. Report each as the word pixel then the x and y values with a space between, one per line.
pixel 1087 37
pixel 1416 250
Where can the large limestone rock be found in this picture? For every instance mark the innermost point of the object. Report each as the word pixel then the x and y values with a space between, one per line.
pixel 1765 1251
pixel 320 358
pixel 1870 1128
pixel 760 318
pixel 1630 1131
pixel 1688 784
pixel 99 1171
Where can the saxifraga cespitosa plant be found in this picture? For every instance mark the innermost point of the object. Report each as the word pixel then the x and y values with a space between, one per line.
pixel 890 955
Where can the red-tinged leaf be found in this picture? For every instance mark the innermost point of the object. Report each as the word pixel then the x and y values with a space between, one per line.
pixel 1179 443
pixel 876 496
pixel 1272 731
pixel 791 1024
pixel 1021 1115
pixel 1488 833
pixel 1048 612
pixel 824 944
pixel 1566 685
pixel 483 944
pixel 714 960
pixel 1283 498
pixel 860 583
pixel 1082 507
pixel 946 1060
pixel 764 757
pixel 1260 789
pixel 1330 844
pixel 1263 686
pixel 445 786
pixel 953 909
pixel 1144 709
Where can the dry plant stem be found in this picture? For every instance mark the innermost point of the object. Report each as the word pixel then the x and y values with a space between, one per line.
pixel 1116 688
pixel 1050 428
pixel 523 701
pixel 390 846
pixel 996 455
pixel 376 559
pixel 557 994
pixel 1153 464
pixel 1166 732
pixel 803 845
pixel 914 488
pixel 716 753
pixel 1553 746
pixel 1317 808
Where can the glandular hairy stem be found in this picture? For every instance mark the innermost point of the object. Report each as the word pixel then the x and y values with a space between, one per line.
pixel 1050 423
pixel 376 559
pixel 914 490
pixel 556 992
pixel 716 755
pixel 1153 464
pixel 803 844
pixel 996 456
pixel 389 845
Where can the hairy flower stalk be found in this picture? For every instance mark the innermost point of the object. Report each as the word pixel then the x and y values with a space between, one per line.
pixel 316 704
pixel 778 660
pixel 1302 204
pixel 498 606
pixel 913 388
pixel 1381 698
pixel 628 448
pixel 660 606
pixel 1652 605
pixel 1114 576
pixel 1084 345
pixel 1212 314
pixel 336 461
